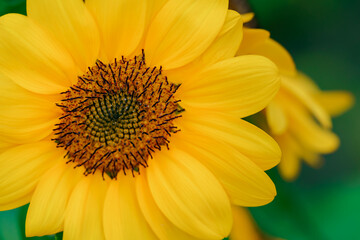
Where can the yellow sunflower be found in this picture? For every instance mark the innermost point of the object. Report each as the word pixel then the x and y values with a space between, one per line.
pixel 120 119
pixel 299 117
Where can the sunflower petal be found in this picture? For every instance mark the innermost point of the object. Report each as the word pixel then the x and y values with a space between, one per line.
pixel 291 87
pixel 335 102
pixel 227 42
pixel 15 203
pixel 84 212
pixel 21 168
pixel 224 46
pixel 276 118
pixel 290 164
pixel 247 17
pixel 312 159
pixel 289 167
pixel 122 216
pixel 154 6
pixel 48 203
pixel 244 226
pixel 249 140
pixel 45 66
pixel 121 24
pixel 25 116
pixel 71 24
pixel 243 85
pixel 306 130
pixel 252 39
pixel 179 185
pixel 12 129
pixel 182 30
pixel 162 226
pixel 245 183
pixel 4 146
pixel 276 53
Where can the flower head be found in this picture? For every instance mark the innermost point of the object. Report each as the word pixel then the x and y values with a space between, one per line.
pixel 120 119
pixel 299 117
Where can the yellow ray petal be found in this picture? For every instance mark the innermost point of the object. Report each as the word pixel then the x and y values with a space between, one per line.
pixel 15 203
pixel 224 46
pixel 45 66
pixel 179 185
pixel 276 118
pixel 12 93
pixel 162 226
pixel 244 182
pixel 311 135
pixel 247 17
pixel 182 30
pixel 84 212
pixel 21 168
pixel 227 42
pixel 20 131
pixel 276 53
pixel 289 167
pixel 295 90
pixel 335 102
pixel 245 137
pixel 243 85
pixel 25 116
pixel 300 152
pixel 4 146
pixel 121 24
pixel 251 39
pixel 313 159
pixel 122 216
pixel 244 226
pixel 307 83
pixel 45 215
pixel 316 138
pixel 154 6
pixel 71 24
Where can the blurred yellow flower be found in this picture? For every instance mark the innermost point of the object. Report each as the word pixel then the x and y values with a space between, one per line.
pixel 299 117
pixel 244 226
pixel 105 87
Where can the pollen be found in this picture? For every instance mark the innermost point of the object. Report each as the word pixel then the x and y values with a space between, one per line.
pixel 117 116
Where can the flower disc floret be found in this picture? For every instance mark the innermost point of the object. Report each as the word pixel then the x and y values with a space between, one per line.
pixel 116 116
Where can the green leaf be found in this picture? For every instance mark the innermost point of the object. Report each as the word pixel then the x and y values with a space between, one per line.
pixel 12 226
pixel 12 6
pixel 9 225
pixel 322 211
pixel 285 217
pixel 59 236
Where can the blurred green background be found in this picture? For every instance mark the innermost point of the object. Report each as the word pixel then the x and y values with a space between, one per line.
pixel 323 37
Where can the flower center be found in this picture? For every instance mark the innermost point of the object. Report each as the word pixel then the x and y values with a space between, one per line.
pixel 116 116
